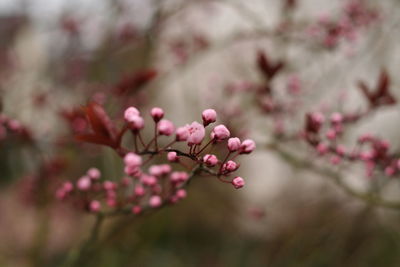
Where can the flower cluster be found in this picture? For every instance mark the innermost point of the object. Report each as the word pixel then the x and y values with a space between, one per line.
pixel 331 31
pixel 145 187
pixel 324 136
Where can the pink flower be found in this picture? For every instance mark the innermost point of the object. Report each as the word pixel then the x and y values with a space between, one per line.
pixel 322 148
pixel 157 114
pixel 247 146
pixel 68 187
pixel 210 160
pixel 136 209
pixel 335 160
pixel 233 144
pixel 155 201
pixel 178 177
pixel 230 166
pixel 139 191
pixel 84 183
pixel 220 133
pixel 132 159
pixel 165 127
pixel 182 134
pixel 148 180
pixel 172 156
pixel 94 173
pixel 181 193
pixel 94 206
pixel 389 171
pixel 238 182
pixel 109 186
pixel 209 116
pixel 331 134
pixel 130 113
pixel 196 133
pixel 136 122
pixel 336 118
pixel 341 150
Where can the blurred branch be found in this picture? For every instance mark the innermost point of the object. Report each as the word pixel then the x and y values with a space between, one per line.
pixel 371 199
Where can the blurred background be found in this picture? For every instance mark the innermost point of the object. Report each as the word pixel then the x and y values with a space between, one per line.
pixel 185 56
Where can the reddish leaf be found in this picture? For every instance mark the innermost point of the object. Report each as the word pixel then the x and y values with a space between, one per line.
pixel 99 121
pixel 383 83
pixel 263 63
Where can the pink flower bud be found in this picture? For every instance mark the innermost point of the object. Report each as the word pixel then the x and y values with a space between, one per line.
pixel 155 201
pixel 130 113
pixel 220 133
pixel 155 170
pixel 157 114
pixel 108 185
pixel 94 206
pixel 94 173
pixel 165 168
pixel 126 181
pixel 331 134
pixel 210 160
pixel 172 156
pixel 238 182
pixel 148 180
pixel 139 191
pixel 247 146
pixel 178 177
pixel 335 160
pixel 209 116
pixel 182 134
pixel 84 183
pixel 336 118
pixel 233 144
pixel 322 148
pixel 68 187
pixel 181 193
pixel 165 127
pixel 136 210
pixel 196 133
pixel 136 123
pixel 111 202
pixel 341 150
pixel 132 159
pixel 230 166
pixel 389 171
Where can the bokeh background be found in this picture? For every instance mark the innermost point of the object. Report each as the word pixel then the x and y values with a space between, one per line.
pixel 56 55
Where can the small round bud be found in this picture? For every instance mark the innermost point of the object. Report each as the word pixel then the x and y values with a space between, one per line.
pixel 172 156
pixel 238 182
pixel 247 146
pixel 233 144
pixel 133 160
pixel 130 113
pixel 210 160
pixel 94 173
pixel 182 134
pixel 136 209
pixel 220 133
pixel 94 206
pixel 196 133
pixel 84 183
pixel 165 127
pixel 209 116
pixel 157 114
pixel 155 201
pixel 230 166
